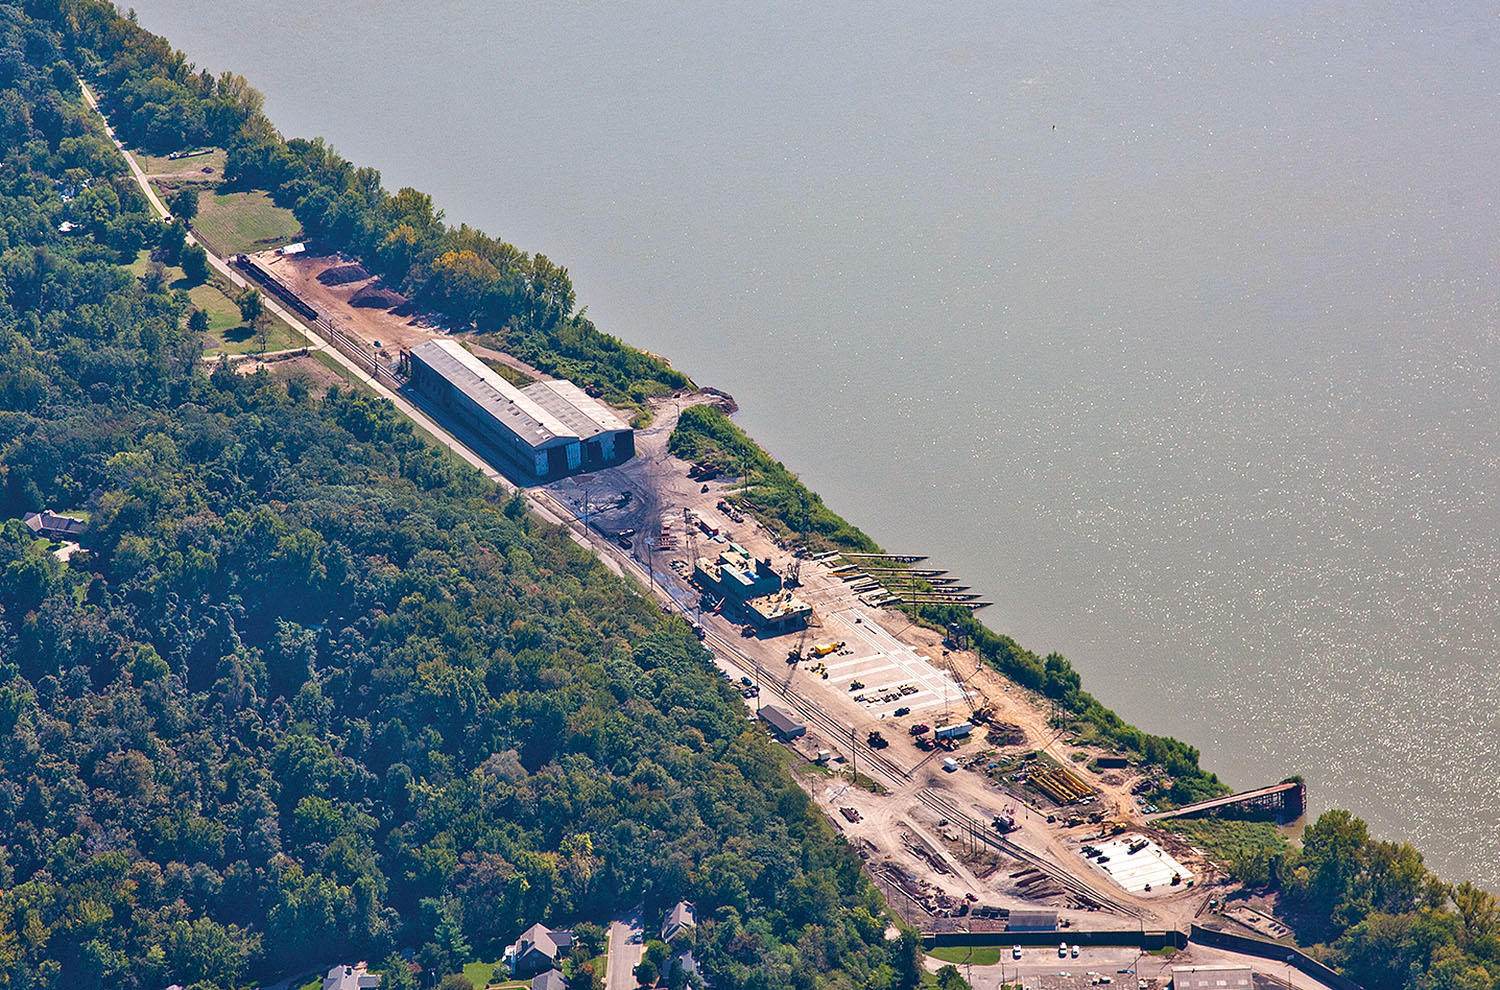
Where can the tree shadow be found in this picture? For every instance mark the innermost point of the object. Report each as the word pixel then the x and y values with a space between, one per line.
pixel 239 334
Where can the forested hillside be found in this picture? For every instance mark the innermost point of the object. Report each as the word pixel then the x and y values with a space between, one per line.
pixel 311 691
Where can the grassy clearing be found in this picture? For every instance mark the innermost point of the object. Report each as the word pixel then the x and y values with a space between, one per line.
pixel 154 165
pixel 223 313
pixel 316 983
pixel 242 222
pixel 480 973
pixel 976 955
pixel 1246 848
pixel 241 339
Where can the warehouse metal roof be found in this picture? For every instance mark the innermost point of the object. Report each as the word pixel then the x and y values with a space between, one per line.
pixel 783 723
pixel 584 414
pixel 520 414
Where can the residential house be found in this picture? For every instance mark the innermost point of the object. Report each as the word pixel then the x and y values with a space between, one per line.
pixel 350 978
pixel 50 524
pixel 538 950
pixel 680 918
pixel 550 980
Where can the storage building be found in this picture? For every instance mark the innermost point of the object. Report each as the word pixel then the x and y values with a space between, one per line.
pixel 545 431
pixel 1031 920
pixel 1213 978
pixel 781 723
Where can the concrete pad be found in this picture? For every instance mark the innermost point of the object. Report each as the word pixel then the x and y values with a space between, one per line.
pixel 1151 866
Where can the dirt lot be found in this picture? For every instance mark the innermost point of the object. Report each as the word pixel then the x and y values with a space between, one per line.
pixel 394 328
pixel 917 833
pixel 316 376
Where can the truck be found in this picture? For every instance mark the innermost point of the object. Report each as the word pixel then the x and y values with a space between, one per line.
pixel 876 740
pixel 958 730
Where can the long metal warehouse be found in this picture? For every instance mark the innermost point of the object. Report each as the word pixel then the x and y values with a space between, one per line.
pixel 546 430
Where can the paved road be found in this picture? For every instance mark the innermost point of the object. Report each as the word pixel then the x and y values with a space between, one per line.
pixel 624 956
pixel 1041 969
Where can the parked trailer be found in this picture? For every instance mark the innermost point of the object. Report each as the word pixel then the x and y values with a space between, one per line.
pixel 956 731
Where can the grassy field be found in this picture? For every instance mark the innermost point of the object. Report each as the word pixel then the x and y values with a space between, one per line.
pixel 223 313
pixel 228 334
pixel 983 955
pixel 161 164
pixel 241 222
pixel 480 973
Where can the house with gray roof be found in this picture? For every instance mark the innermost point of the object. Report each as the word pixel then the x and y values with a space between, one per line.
pixel 679 919
pixel 350 978
pixel 537 950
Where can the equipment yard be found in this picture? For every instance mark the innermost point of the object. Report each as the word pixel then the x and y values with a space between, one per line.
pixel 863 680
pixel 952 782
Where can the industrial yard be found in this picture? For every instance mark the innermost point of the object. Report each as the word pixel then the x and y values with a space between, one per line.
pixel 971 809
pixel 858 681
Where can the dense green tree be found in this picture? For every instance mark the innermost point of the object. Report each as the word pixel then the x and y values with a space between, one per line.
pixel 184 203
pixel 194 264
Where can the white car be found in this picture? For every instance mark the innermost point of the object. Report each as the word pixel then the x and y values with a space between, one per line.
pixel 1074 951
pixel 1015 952
pixel 1062 950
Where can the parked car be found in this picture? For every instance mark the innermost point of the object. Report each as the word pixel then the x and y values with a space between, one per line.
pixel 1015 952
pixel 1062 950
pixel 902 711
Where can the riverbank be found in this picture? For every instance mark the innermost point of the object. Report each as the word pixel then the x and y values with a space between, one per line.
pixel 1061 679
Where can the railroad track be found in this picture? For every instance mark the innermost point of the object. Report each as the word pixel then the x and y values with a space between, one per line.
pixel 1067 881
pixel 894 772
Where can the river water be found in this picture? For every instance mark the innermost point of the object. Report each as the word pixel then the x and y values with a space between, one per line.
pixel 1170 327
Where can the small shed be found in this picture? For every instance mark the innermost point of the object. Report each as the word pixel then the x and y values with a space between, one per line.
pixel 297 248
pixel 782 723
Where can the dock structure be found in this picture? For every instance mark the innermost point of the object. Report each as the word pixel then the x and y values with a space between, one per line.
pixel 1286 801
pixel 892 580
pixel 900 558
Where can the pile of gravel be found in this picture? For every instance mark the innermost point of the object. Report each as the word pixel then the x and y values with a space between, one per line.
pixel 343 275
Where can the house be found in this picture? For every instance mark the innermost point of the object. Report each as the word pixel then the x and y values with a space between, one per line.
pixel 679 919
pixel 537 950
pixel 550 980
pixel 350 978
pixel 50 524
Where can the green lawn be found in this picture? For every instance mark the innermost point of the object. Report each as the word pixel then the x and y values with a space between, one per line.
pixel 983 955
pixel 242 222
pixel 160 164
pixel 223 313
pixel 240 339
pixel 480 973
pixel 227 332
pixel 316 983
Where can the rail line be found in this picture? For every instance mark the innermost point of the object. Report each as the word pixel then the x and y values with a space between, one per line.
pixel 896 774
pixel 1071 884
